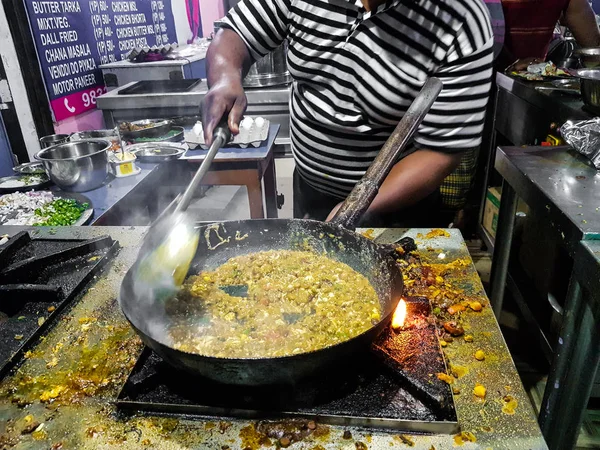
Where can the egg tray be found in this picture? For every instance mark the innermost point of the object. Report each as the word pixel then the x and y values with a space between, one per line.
pixel 253 135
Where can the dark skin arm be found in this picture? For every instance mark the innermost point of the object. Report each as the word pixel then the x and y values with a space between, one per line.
pixel 228 61
pixel 580 19
pixel 411 180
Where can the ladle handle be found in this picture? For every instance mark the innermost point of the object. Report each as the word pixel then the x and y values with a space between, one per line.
pixel 364 192
pixel 221 136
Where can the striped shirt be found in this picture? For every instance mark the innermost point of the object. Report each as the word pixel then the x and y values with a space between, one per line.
pixel 356 72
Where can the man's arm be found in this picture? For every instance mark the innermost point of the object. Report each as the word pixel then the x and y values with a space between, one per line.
pixel 414 178
pixel 411 180
pixel 228 61
pixel 581 20
pixel 455 122
pixel 253 29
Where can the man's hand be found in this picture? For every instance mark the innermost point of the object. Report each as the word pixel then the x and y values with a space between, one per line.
pixel 228 61
pixel 226 98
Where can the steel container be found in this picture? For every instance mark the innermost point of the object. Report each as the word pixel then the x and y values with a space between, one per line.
pixel 95 134
pixel 590 87
pixel 53 139
pixel 588 57
pixel 77 166
pixel 270 70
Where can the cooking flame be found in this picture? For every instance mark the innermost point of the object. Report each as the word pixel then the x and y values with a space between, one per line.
pixel 399 315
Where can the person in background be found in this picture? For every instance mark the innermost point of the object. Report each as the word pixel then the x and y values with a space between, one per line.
pixel 356 67
pixel 530 27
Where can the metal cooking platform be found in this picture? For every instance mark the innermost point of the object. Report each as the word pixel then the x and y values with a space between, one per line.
pixel 393 388
pixel 38 279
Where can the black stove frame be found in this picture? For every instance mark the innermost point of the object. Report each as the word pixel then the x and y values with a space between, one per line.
pixel 36 274
pixel 391 388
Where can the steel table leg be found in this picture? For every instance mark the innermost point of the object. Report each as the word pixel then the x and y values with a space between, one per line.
pixel 573 371
pixel 503 243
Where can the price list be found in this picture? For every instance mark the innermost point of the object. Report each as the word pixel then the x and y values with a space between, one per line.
pixel 74 37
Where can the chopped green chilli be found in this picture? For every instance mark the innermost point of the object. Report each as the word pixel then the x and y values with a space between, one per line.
pixel 60 212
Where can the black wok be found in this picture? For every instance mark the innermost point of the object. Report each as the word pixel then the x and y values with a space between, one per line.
pixel 220 242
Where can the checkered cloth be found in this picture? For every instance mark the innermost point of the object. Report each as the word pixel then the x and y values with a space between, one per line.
pixel 456 186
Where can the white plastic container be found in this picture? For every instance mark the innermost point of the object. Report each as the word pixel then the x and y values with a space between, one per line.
pixel 124 167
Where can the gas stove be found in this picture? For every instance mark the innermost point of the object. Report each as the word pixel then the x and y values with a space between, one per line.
pixel 39 278
pixel 393 387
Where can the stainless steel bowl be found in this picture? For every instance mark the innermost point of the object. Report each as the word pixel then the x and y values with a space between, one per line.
pixel 179 136
pixel 95 134
pixel 77 166
pixel 590 87
pixel 155 128
pixel 588 57
pixel 53 139
pixel 30 168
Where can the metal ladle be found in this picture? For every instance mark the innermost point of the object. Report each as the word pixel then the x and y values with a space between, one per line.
pixel 170 245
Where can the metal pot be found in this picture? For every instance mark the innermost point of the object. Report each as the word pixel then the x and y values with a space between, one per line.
pixel 588 57
pixel 53 139
pixel 76 166
pixel 271 70
pixel 155 128
pixel 95 134
pixel 590 87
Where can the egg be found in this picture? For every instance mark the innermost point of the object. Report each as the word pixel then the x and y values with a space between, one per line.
pixel 246 123
pixel 259 121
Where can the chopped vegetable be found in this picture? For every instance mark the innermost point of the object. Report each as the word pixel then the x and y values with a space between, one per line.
pixel 61 212
pixel 445 377
pixel 455 309
pixel 479 355
pixel 475 306
pixel 18 337
pixel 454 329
pixel 468 338
pixel 510 404
pixel 479 390
pixel 39 209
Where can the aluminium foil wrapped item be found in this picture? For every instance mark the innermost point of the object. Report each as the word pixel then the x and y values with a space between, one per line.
pixel 584 137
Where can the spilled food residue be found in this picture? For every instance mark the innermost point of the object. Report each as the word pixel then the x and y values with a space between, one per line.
pixel 465 436
pixel 510 404
pixel 75 367
pixel 280 433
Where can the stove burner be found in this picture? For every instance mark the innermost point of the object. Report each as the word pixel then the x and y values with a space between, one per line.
pixel 38 278
pixel 394 387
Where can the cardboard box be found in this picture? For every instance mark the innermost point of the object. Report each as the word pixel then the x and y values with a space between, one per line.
pixel 491 210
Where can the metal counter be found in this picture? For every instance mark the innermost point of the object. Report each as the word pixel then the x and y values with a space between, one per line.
pixel 94 347
pixel 271 103
pixel 524 114
pixel 571 378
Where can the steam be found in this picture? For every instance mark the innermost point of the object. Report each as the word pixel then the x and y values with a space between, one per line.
pixel 156 277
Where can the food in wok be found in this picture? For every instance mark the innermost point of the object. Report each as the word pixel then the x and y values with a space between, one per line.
pixel 290 302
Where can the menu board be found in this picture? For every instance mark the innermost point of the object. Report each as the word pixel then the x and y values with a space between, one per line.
pixel 73 37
